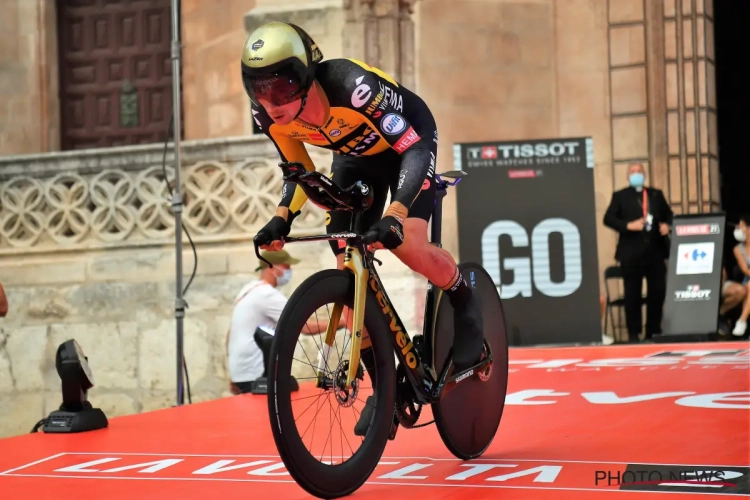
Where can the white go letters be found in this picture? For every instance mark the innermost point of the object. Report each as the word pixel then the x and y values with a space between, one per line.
pixel 536 268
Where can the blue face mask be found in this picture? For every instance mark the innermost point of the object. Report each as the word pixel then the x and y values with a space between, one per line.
pixel 286 277
pixel 636 180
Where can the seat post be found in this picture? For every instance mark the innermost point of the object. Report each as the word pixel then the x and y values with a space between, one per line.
pixel 436 229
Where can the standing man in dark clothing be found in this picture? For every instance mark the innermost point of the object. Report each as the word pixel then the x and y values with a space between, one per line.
pixel 643 218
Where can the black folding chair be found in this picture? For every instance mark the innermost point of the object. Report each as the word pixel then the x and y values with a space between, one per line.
pixel 264 341
pixel 614 274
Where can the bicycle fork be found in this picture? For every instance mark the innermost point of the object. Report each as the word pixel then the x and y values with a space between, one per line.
pixel 354 263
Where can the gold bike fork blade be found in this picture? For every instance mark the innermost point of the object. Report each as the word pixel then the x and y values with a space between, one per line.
pixel 325 352
pixel 354 262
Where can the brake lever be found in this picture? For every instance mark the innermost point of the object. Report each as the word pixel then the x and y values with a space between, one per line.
pixel 291 169
pixel 371 255
pixel 257 252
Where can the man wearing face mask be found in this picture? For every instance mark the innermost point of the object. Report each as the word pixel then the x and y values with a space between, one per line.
pixel 642 217
pixel 258 305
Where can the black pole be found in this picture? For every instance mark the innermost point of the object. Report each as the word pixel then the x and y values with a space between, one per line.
pixel 179 311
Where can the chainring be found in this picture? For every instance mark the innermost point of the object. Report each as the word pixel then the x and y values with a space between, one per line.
pixel 407 411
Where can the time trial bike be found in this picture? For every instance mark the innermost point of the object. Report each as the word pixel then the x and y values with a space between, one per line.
pixel 467 406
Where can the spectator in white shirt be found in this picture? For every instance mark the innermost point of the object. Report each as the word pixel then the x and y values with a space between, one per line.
pixel 259 305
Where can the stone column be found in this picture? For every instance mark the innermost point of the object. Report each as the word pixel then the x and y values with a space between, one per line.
pixel 381 33
pixel 663 98
pixel 629 61
pixel 690 84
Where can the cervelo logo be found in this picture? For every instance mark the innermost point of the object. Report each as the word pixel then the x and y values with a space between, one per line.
pixel 393 124
pixel 402 339
pixel 361 94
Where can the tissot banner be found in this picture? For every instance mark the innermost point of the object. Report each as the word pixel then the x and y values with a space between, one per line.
pixel 526 212
pixel 694 275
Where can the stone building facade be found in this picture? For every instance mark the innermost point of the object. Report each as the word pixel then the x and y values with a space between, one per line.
pixel 86 234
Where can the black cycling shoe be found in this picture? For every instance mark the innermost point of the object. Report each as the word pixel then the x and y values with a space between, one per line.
pixel 468 337
pixel 368 412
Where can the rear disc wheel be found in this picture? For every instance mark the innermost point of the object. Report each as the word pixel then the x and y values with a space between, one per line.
pixel 469 415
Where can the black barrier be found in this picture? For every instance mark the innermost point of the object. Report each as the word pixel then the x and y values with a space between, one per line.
pixel 694 278
pixel 526 212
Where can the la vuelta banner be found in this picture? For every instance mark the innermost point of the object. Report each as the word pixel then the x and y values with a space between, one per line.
pixel 526 212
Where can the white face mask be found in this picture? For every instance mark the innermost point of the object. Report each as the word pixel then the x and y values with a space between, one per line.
pixel 286 276
pixel 739 235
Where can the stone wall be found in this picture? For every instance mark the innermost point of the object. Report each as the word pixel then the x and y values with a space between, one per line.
pixel 214 101
pixel 29 110
pixel 87 252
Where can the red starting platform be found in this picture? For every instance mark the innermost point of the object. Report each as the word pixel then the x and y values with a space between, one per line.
pixel 620 422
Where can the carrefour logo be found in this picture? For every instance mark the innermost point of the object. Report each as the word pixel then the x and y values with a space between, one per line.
pixel 393 124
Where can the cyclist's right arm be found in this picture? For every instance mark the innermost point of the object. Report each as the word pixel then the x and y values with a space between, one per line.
pixel 291 150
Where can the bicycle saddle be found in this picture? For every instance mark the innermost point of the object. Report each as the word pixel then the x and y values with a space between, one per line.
pixel 324 192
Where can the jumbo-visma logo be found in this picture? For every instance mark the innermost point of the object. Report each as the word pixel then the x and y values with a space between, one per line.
pixel 393 124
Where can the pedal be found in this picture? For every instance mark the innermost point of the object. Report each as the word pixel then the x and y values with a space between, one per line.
pixel 477 368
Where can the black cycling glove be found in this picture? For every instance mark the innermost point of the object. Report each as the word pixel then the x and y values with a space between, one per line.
pixel 275 230
pixel 388 231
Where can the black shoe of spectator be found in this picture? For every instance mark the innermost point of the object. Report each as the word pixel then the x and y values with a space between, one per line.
pixel 724 328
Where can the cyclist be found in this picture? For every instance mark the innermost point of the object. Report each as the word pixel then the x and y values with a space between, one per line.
pixel 381 134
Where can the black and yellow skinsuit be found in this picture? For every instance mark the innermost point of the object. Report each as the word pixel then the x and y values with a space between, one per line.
pixel 380 132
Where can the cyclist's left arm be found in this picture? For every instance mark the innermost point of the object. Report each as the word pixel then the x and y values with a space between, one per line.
pixel 394 127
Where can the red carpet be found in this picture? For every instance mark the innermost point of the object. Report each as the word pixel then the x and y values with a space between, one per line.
pixel 579 422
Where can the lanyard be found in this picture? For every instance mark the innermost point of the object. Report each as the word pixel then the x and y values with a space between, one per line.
pixel 645 204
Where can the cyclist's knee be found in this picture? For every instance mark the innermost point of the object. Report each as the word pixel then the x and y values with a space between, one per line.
pixel 415 238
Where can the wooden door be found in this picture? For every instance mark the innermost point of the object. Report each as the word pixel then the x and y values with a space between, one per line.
pixel 115 72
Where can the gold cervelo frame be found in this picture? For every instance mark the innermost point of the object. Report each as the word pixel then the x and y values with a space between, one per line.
pixel 353 262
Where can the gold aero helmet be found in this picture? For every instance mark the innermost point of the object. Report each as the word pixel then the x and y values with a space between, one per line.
pixel 278 63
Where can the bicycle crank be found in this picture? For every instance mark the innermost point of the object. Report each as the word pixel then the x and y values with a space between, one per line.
pixel 448 379
pixel 407 410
